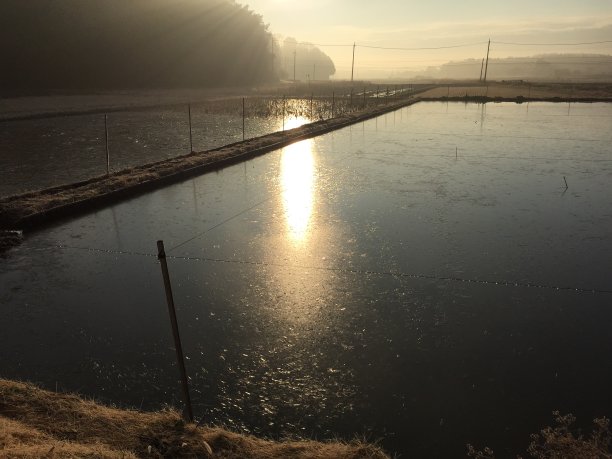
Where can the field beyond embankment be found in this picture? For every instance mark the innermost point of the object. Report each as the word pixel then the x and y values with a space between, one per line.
pixel 35 423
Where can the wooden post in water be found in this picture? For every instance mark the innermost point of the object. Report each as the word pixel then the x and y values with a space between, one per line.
pixel 106 144
pixel 364 97
pixel 333 102
pixel 161 256
pixel 190 137
pixel 243 118
pixel 283 113
pixel 311 96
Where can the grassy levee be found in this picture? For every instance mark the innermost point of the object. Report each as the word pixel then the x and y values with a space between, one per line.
pixel 36 423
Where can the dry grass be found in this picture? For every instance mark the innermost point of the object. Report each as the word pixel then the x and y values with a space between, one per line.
pixel 35 423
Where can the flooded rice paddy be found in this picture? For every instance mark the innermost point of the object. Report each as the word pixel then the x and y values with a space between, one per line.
pixel 44 152
pixel 424 278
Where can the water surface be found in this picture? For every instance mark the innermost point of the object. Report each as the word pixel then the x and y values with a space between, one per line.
pixel 424 278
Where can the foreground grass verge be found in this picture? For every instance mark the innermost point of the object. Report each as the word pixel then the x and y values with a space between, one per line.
pixel 36 423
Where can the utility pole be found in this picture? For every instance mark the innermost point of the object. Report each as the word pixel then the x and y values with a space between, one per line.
pixel 487 63
pixel 272 49
pixel 294 53
pixel 353 65
pixel 481 66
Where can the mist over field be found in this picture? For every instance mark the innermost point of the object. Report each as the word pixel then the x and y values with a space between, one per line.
pixel 547 67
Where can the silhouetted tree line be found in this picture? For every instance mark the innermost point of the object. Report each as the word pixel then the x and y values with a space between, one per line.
pixel 89 44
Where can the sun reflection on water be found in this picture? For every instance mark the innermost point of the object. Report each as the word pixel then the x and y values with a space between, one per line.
pixel 292 122
pixel 297 174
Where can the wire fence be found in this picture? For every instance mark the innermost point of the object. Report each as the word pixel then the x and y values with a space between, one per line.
pixel 346 270
pixel 45 151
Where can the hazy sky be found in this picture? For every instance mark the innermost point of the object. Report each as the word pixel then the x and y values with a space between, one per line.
pixel 436 23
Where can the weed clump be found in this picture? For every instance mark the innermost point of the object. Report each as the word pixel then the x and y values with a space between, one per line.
pixel 562 441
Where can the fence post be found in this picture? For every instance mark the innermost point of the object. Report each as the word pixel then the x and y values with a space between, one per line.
pixel 161 256
pixel 333 102
pixel 283 113
pixel 190 137
pixel 311 96
pixel 243 118
pixel 106 144
pixel 364 97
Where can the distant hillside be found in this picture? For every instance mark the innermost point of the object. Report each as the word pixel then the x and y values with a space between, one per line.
pixel 100 44
pixel 548 67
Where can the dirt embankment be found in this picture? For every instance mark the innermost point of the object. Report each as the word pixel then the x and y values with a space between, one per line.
pixel 35 423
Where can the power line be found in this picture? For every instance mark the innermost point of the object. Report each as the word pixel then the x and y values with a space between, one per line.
pixel 305 43
pixel 392 48
pixel 464 45
pixel 551 44
pixel 530 62
pixel 424 48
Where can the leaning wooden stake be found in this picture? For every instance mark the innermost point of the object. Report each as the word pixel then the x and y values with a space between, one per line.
pixel 190 136
pixel 106 144
pixel 161 256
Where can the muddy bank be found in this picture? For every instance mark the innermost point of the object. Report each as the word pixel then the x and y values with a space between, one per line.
pixel 36 208
pixel 37 423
